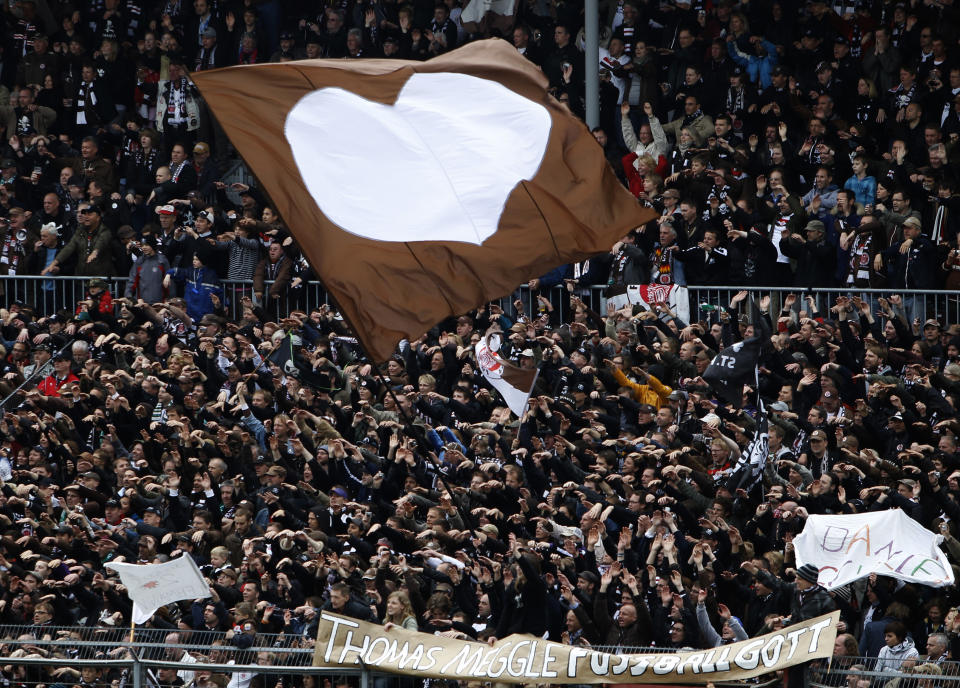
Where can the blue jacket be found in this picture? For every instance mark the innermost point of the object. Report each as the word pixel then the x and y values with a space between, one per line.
pixel 865 189
pixel 199 284
pixel 758 68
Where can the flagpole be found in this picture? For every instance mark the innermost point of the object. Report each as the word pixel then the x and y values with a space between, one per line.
pixel 132 627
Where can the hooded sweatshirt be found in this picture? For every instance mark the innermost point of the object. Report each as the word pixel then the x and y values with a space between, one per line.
pixel 890 658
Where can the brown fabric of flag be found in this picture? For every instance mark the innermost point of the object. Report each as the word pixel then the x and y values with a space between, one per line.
pixel 492 19
pixel 388 290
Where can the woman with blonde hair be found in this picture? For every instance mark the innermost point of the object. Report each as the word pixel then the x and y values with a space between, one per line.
pixel 775 561
pixel 400 612
pixel 740 30
pixel 865 107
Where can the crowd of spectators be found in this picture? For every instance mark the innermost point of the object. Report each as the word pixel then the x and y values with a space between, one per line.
pixel 813 149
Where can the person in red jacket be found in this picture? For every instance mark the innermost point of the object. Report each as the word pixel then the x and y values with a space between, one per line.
pixel 62 375
pixel 99 300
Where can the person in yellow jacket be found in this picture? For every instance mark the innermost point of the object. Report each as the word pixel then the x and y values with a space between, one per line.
pixel 649 391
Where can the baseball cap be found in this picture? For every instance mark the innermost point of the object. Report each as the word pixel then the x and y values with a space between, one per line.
pixel 932 322
pixel 527 352
pixel 814 226
pixel 897 416
pixel 166 210
pixel 209 32
pixel 778 71
pixel 818 435
pixel 201 147
pixel 779 406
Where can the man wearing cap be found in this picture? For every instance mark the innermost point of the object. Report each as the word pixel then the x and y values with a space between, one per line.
pixel 845 67
pixel 816 258
pixel 149 277
pixel 209 56
pixel 41 363
pixel 50 385
pixel 287 50
pixel 912 264
pixel 35 66
pixel 98 302
pixel 931 336
pixel 90 245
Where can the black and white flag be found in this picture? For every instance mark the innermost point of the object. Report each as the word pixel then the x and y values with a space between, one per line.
pixel 749 469
pixel 733 368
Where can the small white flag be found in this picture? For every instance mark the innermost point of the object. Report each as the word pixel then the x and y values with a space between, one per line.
pixel 151 586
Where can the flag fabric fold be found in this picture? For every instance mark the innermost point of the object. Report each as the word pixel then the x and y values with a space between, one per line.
pixel 481 16
pixel 733 368
pixel 152 586
pixel 513 383
pixel 399 257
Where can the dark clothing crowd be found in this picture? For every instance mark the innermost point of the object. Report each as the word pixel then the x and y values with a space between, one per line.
pixel 177 415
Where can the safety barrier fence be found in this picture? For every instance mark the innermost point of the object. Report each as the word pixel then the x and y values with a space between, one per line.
pixel 53 656
pixel 46 294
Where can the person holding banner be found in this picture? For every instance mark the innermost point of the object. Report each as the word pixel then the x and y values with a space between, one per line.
pixel 807 598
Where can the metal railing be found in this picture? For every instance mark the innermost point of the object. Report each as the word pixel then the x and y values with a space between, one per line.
pixel 823 674
pixel 46 294
pixel 46 655
pixel 41 653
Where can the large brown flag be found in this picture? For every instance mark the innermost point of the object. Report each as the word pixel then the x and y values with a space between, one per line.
pixel 421 190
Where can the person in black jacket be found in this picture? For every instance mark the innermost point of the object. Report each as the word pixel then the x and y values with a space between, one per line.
pixel 525 600
pixel 816 258
pixel 340 602
pixel 707 262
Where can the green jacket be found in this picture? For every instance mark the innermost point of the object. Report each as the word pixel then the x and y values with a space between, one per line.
pixel 82 244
